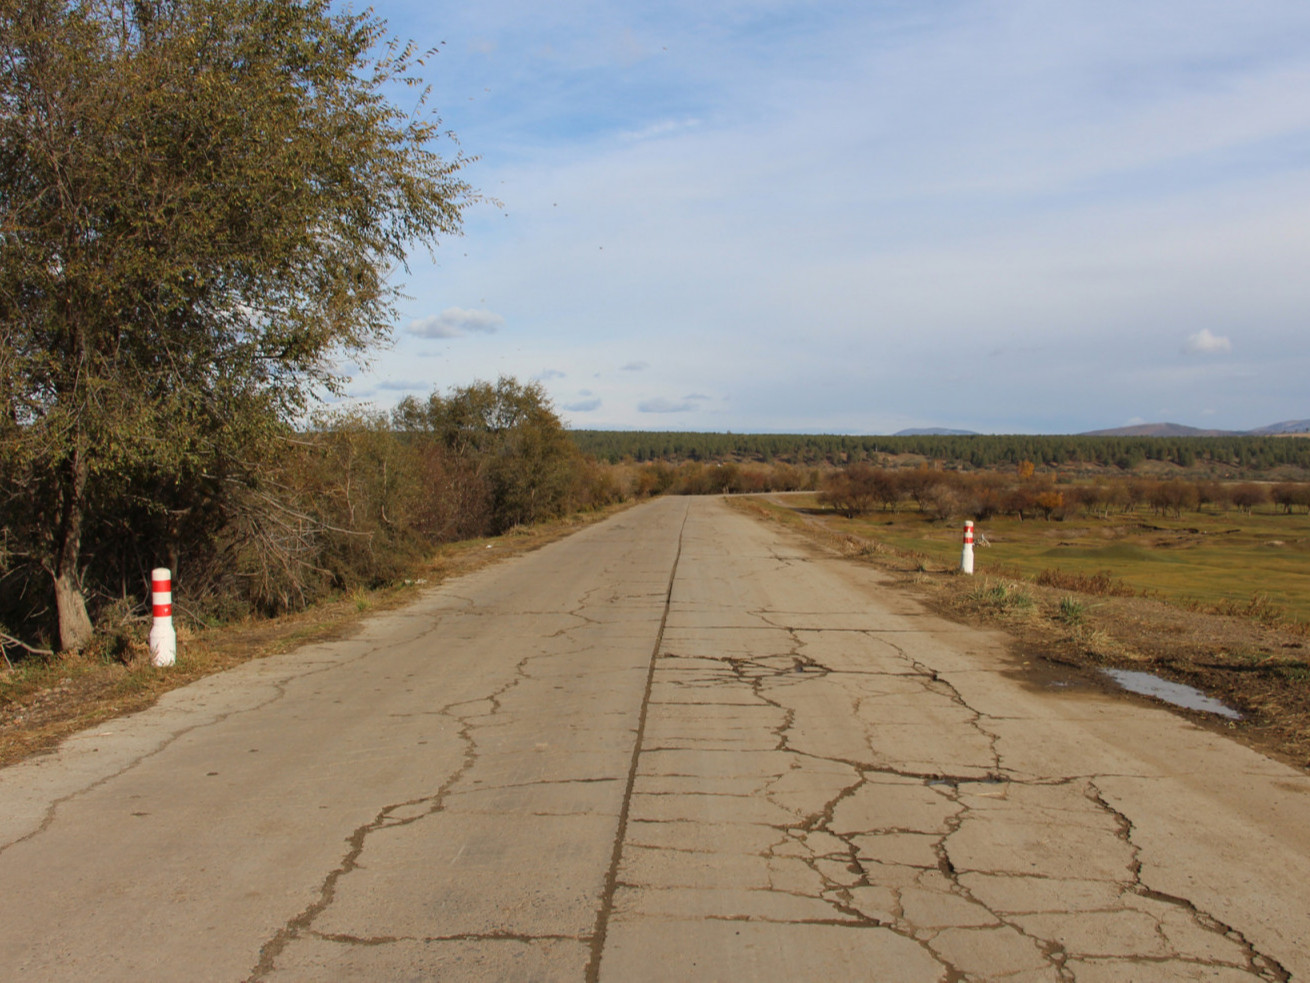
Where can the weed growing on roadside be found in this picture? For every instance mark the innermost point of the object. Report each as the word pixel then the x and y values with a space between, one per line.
pixel 1249 656
pixel 1094 642
pixel 1297 673
pixel 1072 611
pixel 1001 597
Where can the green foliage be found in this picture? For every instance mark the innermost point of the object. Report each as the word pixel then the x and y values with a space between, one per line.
pixel 201 202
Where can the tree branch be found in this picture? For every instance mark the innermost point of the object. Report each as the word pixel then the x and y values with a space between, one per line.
pixel 10 640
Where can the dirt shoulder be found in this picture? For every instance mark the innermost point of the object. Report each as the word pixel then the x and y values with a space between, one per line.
pixel 1257 667
pixel 44 701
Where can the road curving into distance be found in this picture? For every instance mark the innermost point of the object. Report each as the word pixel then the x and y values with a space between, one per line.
pixel 678 745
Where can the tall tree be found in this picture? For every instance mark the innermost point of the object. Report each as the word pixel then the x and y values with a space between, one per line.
pixel 200 205
pixel 513 435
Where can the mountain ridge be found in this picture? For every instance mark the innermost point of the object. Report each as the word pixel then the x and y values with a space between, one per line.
pixel 1138 430
pixel 1180 430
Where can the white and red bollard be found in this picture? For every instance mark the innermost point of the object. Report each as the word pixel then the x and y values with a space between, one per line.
pixel 966 559
pixel 163 640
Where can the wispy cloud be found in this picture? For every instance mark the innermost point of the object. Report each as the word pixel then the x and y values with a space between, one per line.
pixel 455 322
pixel 547 374
pixel 583 406
pixel 635 366
pixel 661 404
pixel 661 128
pixel 1205 342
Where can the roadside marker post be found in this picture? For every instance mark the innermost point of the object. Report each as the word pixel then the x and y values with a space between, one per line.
pixel 966 559
pixel 163 640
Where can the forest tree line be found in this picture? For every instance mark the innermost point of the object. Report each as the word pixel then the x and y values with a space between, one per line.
pixel 1219 455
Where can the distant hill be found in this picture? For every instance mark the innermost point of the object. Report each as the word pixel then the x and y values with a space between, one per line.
pixel 1178 430
pixel 935 432
pixel 1287 426
pixel 1159 430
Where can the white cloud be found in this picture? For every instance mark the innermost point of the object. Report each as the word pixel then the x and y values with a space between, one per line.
pixel 662 405
pixel 1205 342
pixel 584 406
pixel 662 128
pixel 455 322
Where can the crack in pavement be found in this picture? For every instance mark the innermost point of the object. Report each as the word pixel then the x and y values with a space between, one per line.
pixel 379 940
pixel 1259 964
pixel 606 908
pixel 875 868
pixel 279 686
pixel 387 819
pixel 475 718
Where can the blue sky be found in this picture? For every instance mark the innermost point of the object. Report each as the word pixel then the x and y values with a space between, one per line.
pixel 765 215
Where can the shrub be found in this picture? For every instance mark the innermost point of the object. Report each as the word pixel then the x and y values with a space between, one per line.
pixel 1291 493
pixel 1248 495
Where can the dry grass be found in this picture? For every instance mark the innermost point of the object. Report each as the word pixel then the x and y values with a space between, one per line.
pixel 42 701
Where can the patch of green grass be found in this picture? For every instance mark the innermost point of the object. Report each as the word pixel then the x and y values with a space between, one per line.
pixel 139 681
pixel 1001 597
pixel 1103 556
pixel 1072 611
pixel 1209 560
pixel 1249 656
pixel 31 675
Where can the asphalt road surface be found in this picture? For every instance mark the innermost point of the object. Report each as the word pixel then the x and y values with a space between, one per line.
pixel 678 745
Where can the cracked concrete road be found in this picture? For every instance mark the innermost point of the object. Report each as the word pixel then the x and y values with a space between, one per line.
pixel 677 745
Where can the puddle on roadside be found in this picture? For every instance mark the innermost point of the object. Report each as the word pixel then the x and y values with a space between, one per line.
pixel 1176 693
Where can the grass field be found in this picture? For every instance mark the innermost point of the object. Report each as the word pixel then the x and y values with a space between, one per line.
pixel 1228 561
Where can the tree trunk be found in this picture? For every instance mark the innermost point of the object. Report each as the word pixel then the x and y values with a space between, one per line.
pixel 74 623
